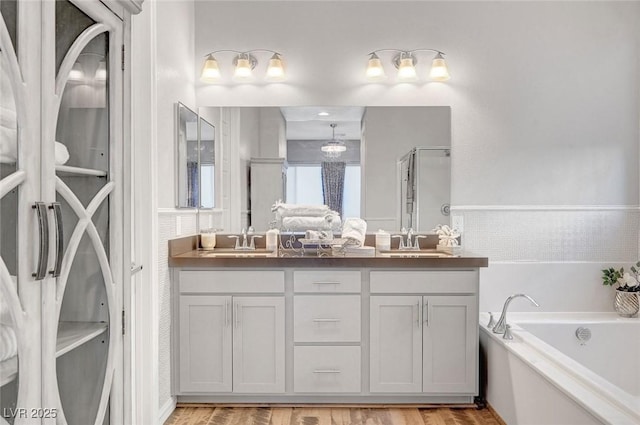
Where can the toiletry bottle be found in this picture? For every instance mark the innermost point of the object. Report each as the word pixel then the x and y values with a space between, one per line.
pixel 272 239
pixel 208 238
pixel 383 240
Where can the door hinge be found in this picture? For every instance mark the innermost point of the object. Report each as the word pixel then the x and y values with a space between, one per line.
pixel 123 322
pixel 123 57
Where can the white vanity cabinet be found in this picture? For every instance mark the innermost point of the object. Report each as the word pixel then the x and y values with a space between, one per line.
pixel 316 334
pixel 424 343
pixel 327 331
pixel 231 342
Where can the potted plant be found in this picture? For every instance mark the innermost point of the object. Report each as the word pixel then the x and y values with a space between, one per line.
pixel 626 302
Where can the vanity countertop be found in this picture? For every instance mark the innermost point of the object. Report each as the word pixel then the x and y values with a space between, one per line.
pixel 184 252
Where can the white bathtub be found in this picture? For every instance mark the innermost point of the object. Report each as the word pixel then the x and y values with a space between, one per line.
pixel 547 376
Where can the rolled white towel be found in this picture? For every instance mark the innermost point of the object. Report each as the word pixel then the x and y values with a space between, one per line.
pixel 5 312
pixel 8 144
pixel 299 210
pixel 8 343
pixel 8 118
pixel 355 230
pixel 62 154
pixel 9 153
pixel 301 224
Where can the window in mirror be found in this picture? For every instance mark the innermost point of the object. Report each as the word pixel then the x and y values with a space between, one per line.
pixel 207 164
pixel 305 176
pixel 304 186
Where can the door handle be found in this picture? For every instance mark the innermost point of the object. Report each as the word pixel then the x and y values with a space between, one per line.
pixel 426 315
pixel 57 215
pixel 43 245
pixel 135 268
pixel 236 313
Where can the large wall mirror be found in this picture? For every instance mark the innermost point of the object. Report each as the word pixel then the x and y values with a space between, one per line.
pixel 395 161
pixel 195 156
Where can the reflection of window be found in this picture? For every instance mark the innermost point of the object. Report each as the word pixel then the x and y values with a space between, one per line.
pixel 208 175
pixel 304 186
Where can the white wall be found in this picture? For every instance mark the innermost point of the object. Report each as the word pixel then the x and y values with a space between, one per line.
pixel 544 104
pixel 175 65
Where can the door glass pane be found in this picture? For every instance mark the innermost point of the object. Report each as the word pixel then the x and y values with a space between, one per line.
pixel 9 11
pixel 9 144
pixel 70 22
pixel 82 131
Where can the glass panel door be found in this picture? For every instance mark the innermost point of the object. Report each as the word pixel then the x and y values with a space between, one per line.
pixel 87 293
pixel 15 335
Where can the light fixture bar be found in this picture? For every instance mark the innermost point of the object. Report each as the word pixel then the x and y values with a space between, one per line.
pixel 243 62
pixel 405 62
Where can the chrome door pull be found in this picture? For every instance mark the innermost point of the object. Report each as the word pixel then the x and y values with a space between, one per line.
pixel 327 371
pixel 418 313
pixel 57 214
pixel 43 228
pixel 236 314
pixel 426 315
pixel 326 320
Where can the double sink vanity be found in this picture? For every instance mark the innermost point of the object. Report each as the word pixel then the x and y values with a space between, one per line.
pixel 264 327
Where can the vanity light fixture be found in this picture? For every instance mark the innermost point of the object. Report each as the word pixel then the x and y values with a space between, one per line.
pixel 334 147
pixel 244 63
pixel 405 62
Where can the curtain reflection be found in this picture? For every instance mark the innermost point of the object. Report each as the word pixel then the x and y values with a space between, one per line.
pixel 333 185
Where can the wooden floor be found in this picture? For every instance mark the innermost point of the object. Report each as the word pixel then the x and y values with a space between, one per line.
pixel 331 416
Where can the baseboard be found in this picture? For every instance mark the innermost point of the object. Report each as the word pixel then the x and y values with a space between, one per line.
pixel 166 410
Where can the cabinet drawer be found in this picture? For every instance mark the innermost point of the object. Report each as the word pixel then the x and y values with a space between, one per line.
pixel 319 281
pixel 241 281
pixel 326 318
pixel 437 281
pixel 326 370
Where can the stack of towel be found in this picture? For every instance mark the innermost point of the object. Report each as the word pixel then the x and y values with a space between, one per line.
pixel 8 341
pixel 9 126
pixel 299 218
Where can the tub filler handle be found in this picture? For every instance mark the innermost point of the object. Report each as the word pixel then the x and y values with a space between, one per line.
pixel 501 326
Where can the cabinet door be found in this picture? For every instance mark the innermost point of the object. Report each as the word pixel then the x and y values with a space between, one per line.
pixel 450 344
pixel 396 344
pixel 205 343
pixel 258 344
pixel 83 167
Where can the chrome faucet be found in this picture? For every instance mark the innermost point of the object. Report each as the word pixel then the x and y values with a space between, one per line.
pixel 408 239
pixel 501 326
pixel 247 245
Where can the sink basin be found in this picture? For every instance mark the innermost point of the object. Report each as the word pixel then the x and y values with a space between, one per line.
pixel 412 254
pixel 232 253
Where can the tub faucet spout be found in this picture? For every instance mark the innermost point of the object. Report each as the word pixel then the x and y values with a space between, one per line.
pixel 500 327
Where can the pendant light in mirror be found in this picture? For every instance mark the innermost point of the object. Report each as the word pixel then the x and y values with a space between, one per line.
pixel 333 148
